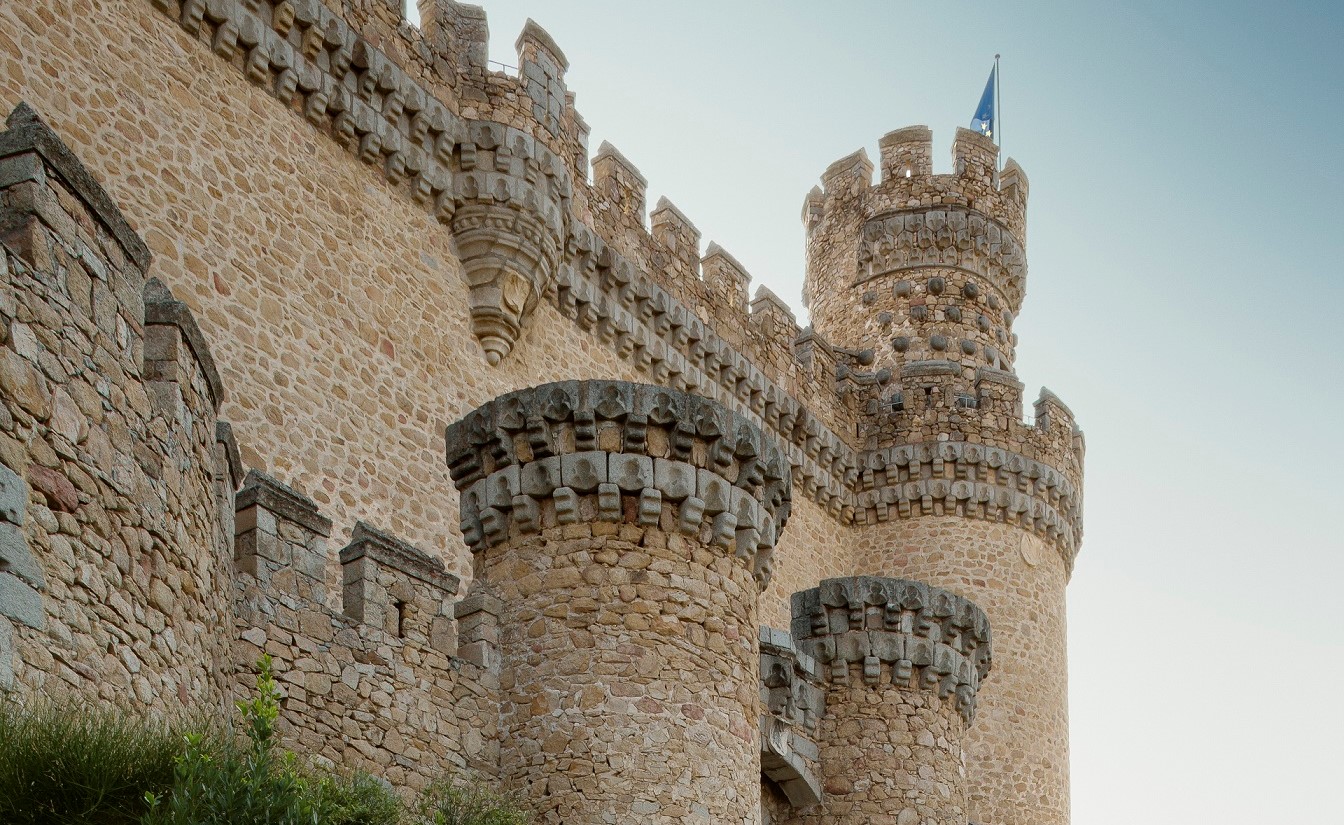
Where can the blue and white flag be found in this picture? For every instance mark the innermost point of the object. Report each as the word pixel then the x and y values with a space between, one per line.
pixel 983 122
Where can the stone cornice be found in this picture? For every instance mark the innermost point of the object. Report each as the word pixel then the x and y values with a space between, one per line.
pixel 548 455
pixel 944 236
pixel 929 638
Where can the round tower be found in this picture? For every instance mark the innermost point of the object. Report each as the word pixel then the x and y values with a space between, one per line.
pixel 902 663
pixel 625 530
pixel 928 272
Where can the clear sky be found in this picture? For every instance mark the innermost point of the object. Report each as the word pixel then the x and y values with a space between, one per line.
pixel 1185 229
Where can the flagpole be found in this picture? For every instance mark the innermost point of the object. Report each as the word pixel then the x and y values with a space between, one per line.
pixel 998 116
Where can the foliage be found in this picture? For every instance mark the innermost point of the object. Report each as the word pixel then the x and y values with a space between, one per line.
pixel 65 763
pixel 452 803
pixel 361 800
pixel 233 784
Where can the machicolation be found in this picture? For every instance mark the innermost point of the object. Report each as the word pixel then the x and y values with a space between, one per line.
pixel 278 271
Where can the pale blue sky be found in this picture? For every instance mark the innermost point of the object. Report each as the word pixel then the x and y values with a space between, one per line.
pixel 1185 231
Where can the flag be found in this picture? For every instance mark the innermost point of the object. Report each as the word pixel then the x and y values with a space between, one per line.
pixel 983 122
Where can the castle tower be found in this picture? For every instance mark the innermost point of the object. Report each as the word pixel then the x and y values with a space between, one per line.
pixel 625 530
pixel 902 663
pixel 928 272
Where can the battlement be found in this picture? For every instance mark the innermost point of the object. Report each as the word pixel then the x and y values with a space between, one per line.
pixel 539 458
pixel 927 638
pixel 907 179
pixel 446 196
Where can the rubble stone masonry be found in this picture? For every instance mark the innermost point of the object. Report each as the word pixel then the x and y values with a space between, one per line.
pixel 260 256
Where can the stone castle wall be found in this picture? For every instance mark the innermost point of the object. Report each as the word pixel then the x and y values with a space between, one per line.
pixel 376 235
pixel 114 542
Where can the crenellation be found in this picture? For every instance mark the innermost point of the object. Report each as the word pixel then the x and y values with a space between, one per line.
pixel 174 348
pixel 622 538
pixel 280 539
pixel 849 177
pixel 671 228
pixel 395 586
pixel 620 186
pixel 728 282
pixel 542 68
pixel 907 153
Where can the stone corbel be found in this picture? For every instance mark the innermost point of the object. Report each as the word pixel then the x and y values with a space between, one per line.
pixel 510 200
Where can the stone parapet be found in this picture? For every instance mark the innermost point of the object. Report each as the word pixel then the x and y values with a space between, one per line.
pixel 972 481
pixel 905 632
pixel 280 538
pixel 393 585
pixel 616 452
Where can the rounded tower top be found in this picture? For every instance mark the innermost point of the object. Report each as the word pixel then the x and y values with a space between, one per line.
pixel 919 267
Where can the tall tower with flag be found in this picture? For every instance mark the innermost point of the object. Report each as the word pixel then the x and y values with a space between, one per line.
pixel 921 276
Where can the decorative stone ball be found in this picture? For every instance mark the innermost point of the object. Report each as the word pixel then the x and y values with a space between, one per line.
pixel 967 347
pixel 901 289
pixel 938 342
pixel 993 301
pixel 953 313
pixel 884 375
pixel 884 318
pixel 971 290
pixel 900 343
pixel 982 323
pixel 866 357
pixel 1007 318
pixel 919 313
pixel 1002 337
pixel 936 286
pixel 869 298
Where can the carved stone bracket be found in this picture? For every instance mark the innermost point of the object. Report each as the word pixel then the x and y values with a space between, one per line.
pixel 793 700
pixel 510 207
pixel 926 637
pixel 618 452
pixel 949 236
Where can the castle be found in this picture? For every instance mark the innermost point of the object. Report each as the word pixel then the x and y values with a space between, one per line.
pixel 310 316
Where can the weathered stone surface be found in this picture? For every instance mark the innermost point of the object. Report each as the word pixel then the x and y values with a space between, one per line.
pixel 17 559
pixel 13 496
pixel 60 493
pixel 21 602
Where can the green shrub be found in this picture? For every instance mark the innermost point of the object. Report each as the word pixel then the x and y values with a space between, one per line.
pixel 229 783
pixel 361 800
pixel 454 803
pixel 66 763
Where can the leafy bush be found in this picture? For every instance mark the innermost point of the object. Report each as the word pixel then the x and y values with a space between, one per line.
pixel 452 803
pixel 361 800
pixel 62 765
pixel 71 764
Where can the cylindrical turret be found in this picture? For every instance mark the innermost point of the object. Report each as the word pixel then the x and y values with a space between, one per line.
pixel 626 529
pixel 920 267
pixel 928 271
pixel 902 662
